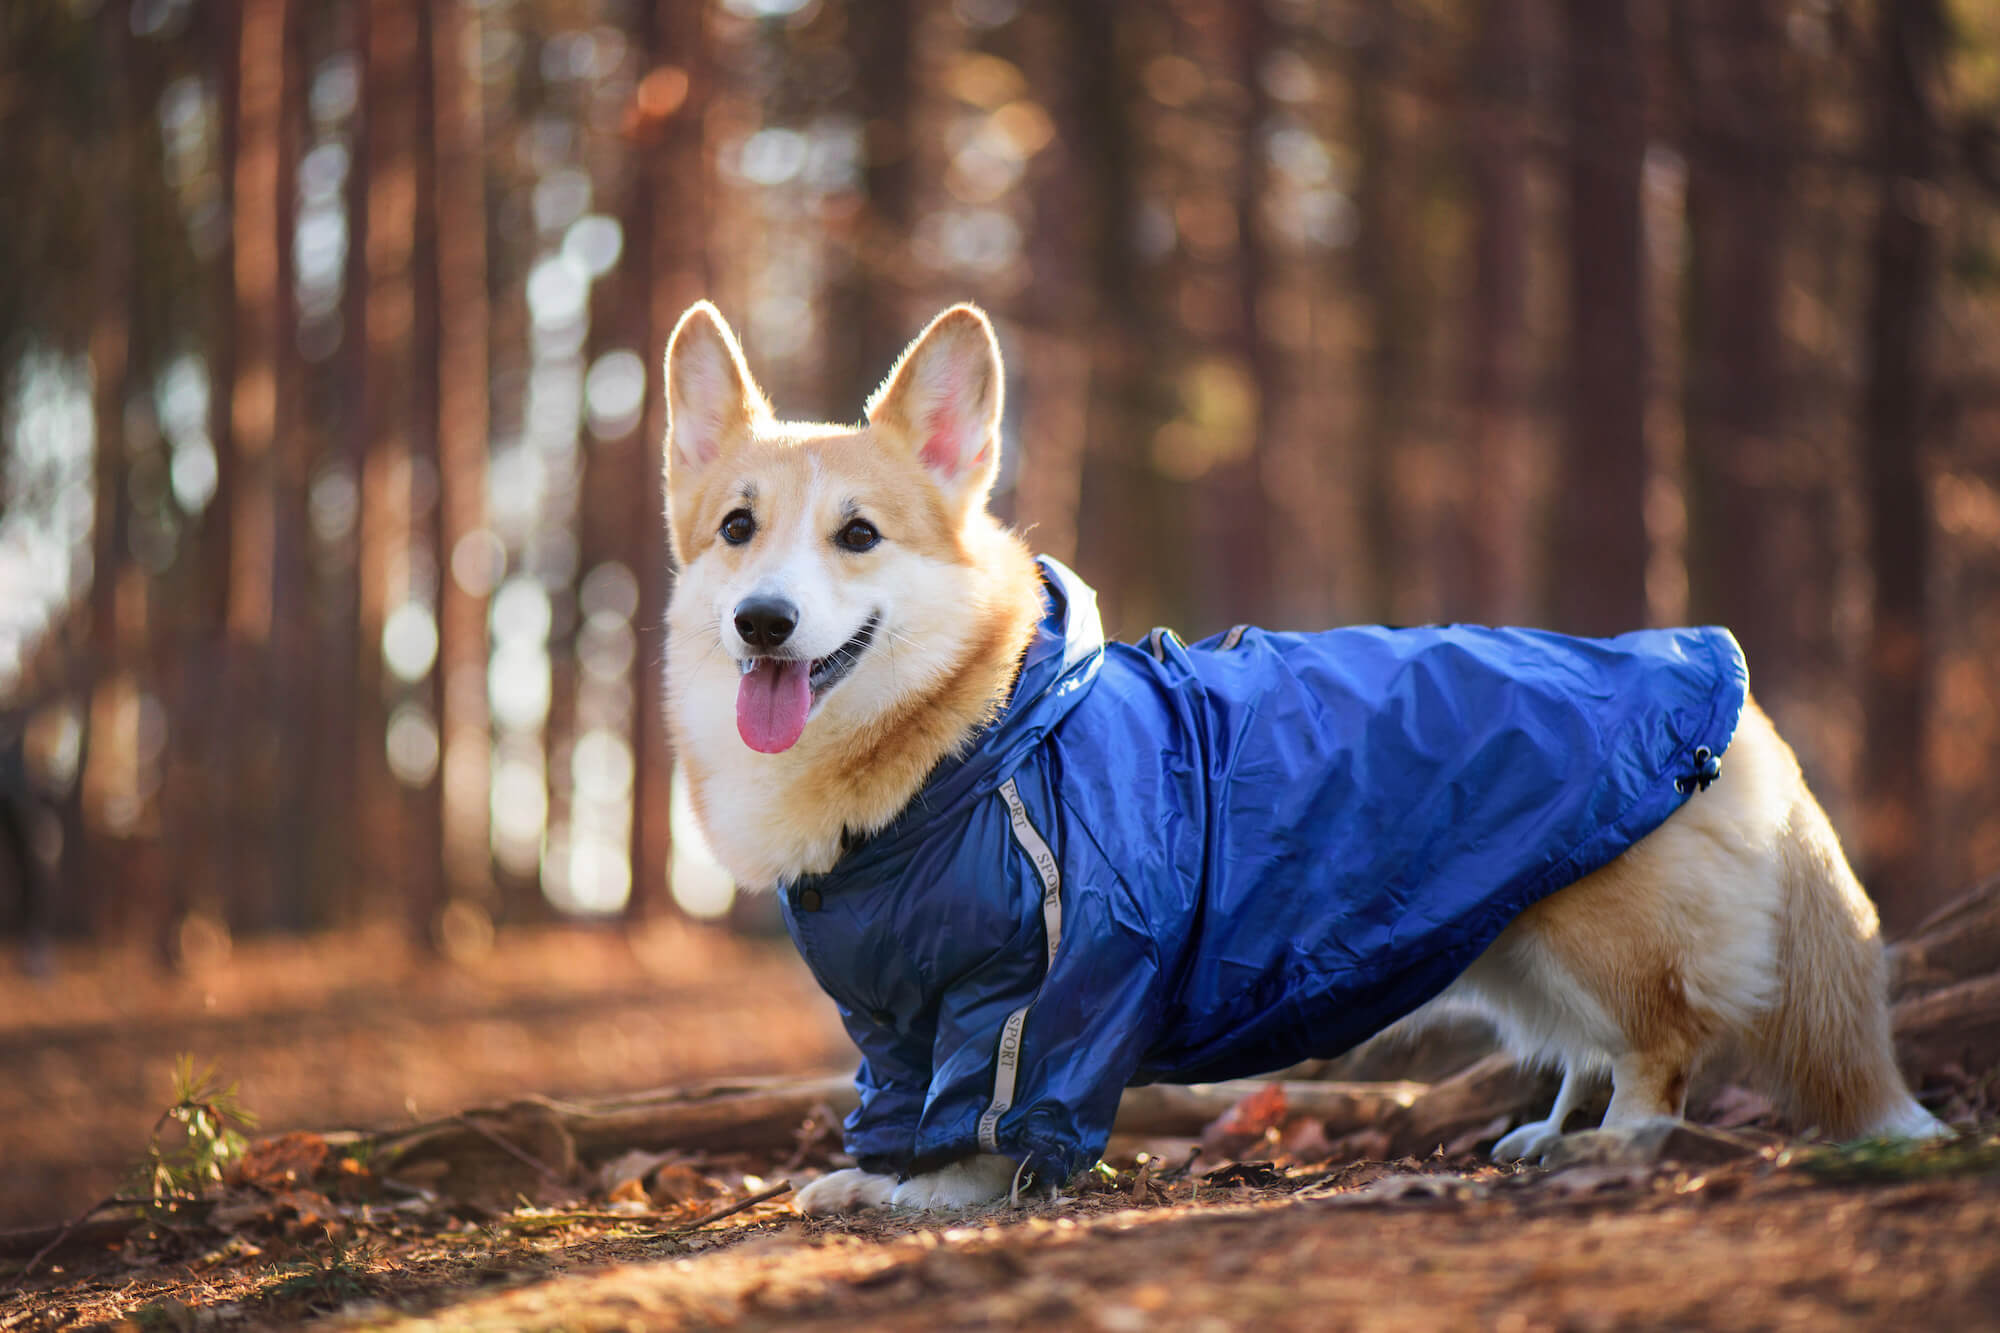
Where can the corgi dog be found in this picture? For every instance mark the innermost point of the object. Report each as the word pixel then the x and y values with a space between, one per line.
pixel 1031 867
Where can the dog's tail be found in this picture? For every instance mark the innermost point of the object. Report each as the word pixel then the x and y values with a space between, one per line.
pixel 1827 1038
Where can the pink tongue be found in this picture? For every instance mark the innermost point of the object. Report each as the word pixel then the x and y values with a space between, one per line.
pixel 771 704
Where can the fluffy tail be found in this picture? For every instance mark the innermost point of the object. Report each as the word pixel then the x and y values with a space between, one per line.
pixel 1827 1039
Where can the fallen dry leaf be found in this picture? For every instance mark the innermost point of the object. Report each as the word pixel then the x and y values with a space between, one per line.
pixel 1250 1121
pixel 679 1183
pixel 626 1168
pixel 273 1164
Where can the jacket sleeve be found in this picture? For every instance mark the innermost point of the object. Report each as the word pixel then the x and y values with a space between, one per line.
pixel 1033 1053
pixel 895 1070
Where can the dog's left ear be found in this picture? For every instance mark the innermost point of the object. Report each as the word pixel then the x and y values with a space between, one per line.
pixel 943 400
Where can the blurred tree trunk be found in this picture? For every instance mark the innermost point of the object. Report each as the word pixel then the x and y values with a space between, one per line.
pixel 427 573
pixel 293 674
pixel 866 326
pixel 344 856
pixel 1758 552
pixel 1059 308
pixel 1598 575
pixel 200 788
pixel 1495 560
pixel 1381 255
pixel 608 524
pixel 1237 580
pixel 94 868
pixel 1906 269
pixel 390 407
pixel 669 239
pixel 458 684
pixel 1131 546
pixel 255 392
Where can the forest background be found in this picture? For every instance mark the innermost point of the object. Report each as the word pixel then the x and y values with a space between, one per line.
pixel 331 556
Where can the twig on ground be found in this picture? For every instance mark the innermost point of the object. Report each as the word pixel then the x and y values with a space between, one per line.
pixel 515 1150
pixel 566 1216
pixel 761 1196
pixel 61 1235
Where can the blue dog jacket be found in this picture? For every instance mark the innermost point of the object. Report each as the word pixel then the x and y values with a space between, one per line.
pixel 1195 863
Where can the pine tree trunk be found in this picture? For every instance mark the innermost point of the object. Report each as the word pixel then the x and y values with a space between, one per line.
pixel 1237 580
pixel 1758 554
pixel 93 864
pixel 1381 272
pixel 390 94
pixel 1128 544
pixel 1598 577
pixel 673 206
pixel 342 855
pixel 293 672
pixel 458 684
pixel 424 885
pixel 1057 309
pixel 866 325
pixel 201 786
pixel 1495 559
pixel 254 395
pixel 1906 263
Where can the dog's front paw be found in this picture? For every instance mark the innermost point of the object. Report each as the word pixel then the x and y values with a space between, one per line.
pixel 967 1184
pixel 845 1191
pixel 1528 1143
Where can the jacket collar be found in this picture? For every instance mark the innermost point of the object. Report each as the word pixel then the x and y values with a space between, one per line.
pixel 1058 669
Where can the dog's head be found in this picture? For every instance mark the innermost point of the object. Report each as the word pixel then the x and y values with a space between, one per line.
pixel 826 571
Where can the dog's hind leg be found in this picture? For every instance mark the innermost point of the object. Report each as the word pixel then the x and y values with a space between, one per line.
pixel 1738 918
pixel 1825 1045
pixel 1531 1140
pixel 1648 1085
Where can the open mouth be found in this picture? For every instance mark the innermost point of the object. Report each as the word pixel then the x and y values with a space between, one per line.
pixel 830 670
pixel 777 694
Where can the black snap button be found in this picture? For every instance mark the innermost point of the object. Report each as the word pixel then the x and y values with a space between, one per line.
pixel 809 900
pixel 882 1018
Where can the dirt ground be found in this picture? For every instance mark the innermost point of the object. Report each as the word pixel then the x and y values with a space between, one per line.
pixel 352 1030
pixel 1764 1244
pixel 1790 1235
pixel 1913 1256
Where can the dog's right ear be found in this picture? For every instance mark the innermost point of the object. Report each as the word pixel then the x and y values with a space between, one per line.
pixel 712 403
pixel 942 400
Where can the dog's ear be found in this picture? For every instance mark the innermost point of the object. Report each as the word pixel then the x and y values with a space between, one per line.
pixel 943 401
pixel 712 403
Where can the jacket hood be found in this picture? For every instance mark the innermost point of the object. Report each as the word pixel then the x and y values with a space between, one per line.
pixel 1057 671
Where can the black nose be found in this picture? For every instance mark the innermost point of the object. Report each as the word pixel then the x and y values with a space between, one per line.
pixel 765 622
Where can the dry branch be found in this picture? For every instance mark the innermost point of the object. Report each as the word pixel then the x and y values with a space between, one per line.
pixel 1475 1096
pixel 1169 1110
pixel 1958 941
pixel 765 1116
pixel 1958 1025
pixel 37 1243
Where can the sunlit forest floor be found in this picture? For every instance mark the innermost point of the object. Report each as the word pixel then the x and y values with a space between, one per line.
pixel 1808 1241
pixel 352 1030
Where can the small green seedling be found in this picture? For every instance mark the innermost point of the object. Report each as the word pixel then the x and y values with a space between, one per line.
pixel 211 1119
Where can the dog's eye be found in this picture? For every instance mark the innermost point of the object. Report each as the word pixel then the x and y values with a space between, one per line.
pixel 858 535
pixel 739 527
